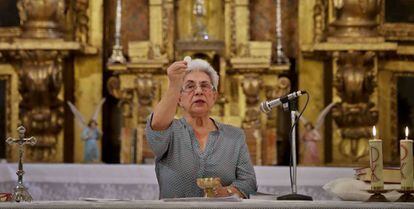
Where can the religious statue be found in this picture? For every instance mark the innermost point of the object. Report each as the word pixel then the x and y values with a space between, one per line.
pixel 90 133
pixel 312 135
pixel 199 27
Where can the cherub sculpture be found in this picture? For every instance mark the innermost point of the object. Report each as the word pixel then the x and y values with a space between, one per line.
pixel 312 135
pixel 90 132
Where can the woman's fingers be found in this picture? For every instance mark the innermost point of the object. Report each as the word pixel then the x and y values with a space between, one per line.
pixel 221 192
pixel 178 66
pixel 176 73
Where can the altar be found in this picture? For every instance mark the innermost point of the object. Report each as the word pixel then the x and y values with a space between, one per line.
pixel 69 182
pixel 154 204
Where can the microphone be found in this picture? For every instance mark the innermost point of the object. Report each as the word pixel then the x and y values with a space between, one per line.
pixel 266 106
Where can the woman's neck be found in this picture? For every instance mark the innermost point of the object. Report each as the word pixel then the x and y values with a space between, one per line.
pixel 199 121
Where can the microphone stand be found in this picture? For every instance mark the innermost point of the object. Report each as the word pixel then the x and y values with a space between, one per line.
pixel 291 105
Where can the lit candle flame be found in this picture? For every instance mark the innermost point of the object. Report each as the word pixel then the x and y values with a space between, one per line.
pixel 406 132
pixel 374 131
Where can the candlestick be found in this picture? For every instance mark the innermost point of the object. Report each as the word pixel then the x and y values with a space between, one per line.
pixel 279 56
pixel 117 56
pixel 406 157
pixel 376 163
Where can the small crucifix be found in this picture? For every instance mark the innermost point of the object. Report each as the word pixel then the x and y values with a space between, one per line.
pixel 20 191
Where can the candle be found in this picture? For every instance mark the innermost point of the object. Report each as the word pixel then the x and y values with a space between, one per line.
pixel 406 157
pixel 375 158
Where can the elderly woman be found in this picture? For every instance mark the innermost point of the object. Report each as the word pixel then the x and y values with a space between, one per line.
pixel 196 146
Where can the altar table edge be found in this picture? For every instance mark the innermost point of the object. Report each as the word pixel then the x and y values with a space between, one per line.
pixel 154 204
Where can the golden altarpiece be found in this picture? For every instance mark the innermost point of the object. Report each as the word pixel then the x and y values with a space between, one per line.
pixel 57 53
pixel 346 52
pixel 355 52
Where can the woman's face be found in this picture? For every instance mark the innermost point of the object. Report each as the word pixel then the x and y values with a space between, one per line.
pixel 197 95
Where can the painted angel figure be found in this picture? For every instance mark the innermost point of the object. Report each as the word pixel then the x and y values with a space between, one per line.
pixel 312 135
pixel 90 132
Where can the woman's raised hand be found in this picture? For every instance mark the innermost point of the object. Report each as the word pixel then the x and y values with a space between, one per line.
pixel 165 110
pixel 176 73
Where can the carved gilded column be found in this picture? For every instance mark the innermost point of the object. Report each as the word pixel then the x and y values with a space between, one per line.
pixel 252 85
pixel 145 88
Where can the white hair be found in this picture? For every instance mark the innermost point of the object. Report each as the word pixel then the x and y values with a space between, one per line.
pixel 203 66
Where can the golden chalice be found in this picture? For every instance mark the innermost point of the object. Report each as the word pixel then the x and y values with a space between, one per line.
pixel 208 185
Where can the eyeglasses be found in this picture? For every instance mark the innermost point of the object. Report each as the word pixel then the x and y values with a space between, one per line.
pixel 192 86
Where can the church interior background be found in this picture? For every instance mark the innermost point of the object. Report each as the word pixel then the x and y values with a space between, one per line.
pixel 358 55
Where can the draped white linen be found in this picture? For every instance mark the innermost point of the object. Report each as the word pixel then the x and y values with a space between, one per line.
pixel 138 182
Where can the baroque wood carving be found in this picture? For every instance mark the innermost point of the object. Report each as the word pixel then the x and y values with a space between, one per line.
pixel 37 53
pixel 355 82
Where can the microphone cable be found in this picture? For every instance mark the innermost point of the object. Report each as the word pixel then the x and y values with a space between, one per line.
pixel 290 141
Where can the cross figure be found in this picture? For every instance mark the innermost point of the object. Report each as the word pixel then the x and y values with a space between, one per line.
pixel 20 191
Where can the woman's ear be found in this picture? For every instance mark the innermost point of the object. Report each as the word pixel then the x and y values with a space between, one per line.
pixel 179 102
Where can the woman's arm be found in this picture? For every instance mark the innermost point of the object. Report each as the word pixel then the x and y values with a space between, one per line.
pixel 245 182
pixel 165 110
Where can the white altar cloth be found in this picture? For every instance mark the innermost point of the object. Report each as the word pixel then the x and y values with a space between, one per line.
pixel 154 204
pixel 138 182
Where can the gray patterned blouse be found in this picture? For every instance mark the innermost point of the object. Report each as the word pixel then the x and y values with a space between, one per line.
pixel 179 161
